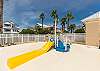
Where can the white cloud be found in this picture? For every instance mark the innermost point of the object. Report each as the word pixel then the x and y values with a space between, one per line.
pixel 25 13
pixel 22 3
pixel 28 16
pixel 81 4
pixel 9 6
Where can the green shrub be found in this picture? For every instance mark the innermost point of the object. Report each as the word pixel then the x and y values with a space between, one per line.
pixel 80 30
pixel 27 31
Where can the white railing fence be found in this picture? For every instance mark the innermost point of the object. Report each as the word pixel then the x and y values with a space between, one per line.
pixel 74 37
pixel 24 38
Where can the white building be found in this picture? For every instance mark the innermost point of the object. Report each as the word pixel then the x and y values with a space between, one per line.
pixel 44 25
pixel 48 26
pixel 92 24
pixel 10 27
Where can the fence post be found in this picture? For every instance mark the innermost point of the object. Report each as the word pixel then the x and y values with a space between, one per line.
pixel 35 38
pixel 18 37
pixel 38 38
pixel 66 38
pixel 1 40
pixel 22 37
pixel 74 37
pixel 28 38
pixel 12 38
pixel 6 38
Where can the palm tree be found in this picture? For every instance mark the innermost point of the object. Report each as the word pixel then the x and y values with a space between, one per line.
pixel 63 22
pixel 1 15
pixel 69 17
pixel 42 17
pixel 84 27
pixel 54 16
pixel 55 19
pixel 72 27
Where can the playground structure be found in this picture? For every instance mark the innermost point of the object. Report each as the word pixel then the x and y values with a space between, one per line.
pixel 62 46
pixel 21 59
pixel 55 42
pixel 18 60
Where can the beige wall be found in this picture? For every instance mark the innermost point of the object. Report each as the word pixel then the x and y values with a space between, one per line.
pixel 93 32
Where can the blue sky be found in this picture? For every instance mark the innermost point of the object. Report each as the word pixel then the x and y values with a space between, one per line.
pixel 25 13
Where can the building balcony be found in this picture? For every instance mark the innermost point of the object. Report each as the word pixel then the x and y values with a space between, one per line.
pixel 6 27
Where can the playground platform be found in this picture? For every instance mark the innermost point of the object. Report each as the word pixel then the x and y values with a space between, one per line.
pixel 79 58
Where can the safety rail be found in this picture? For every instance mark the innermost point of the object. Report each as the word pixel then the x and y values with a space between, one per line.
pixel 24 38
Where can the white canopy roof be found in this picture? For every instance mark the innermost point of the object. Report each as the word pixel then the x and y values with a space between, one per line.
pixel 94 16
pixel 8 22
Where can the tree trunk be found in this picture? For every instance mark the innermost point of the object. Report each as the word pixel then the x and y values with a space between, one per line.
pixel 71 30
pixel 1 15
pixel 68 25
pixel 64 27
pixel 42 24
pixel 54 24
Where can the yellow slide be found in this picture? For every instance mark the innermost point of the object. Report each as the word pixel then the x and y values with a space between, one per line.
pixel 18 60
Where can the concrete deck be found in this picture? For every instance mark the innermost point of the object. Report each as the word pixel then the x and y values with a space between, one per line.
pixel 80 58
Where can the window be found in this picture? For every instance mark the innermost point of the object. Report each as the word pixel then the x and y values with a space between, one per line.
pixel 7 30
pixel 7 25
